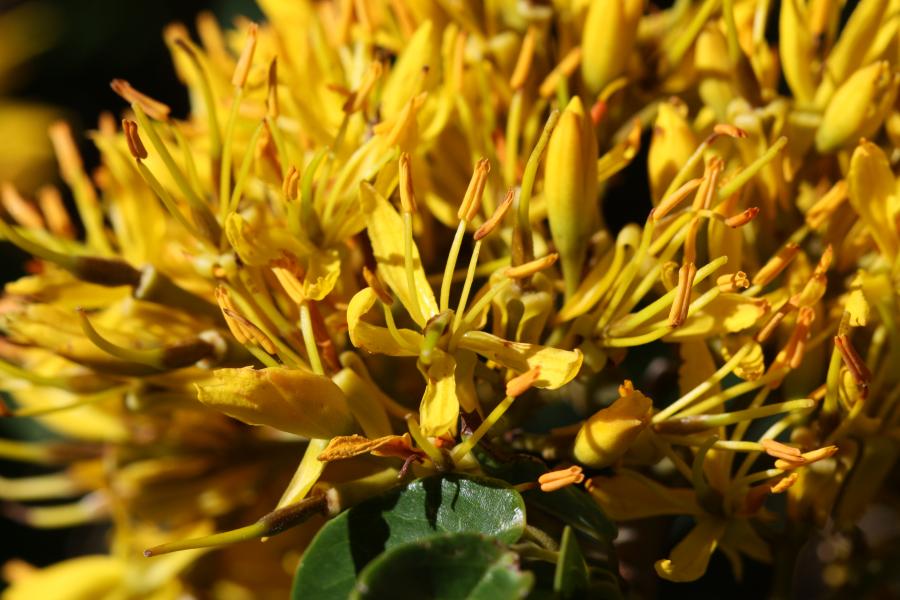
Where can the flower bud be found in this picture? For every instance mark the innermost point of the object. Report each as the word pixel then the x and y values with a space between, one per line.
pixel 570 187
pixel 607 435
pixel 858 107
pixel 672 145
pixel 609 33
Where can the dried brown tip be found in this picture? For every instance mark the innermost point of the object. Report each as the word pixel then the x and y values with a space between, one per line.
pixel 776 264
pixel 729 130
pixel 291 183
pixel 526 57
pixel 855 364
pixel 135 145
pixel 471 203
pixel 555 480
pixel 675 198
pixel 682 302
pixel 741 219
pixel 522 383
pixel 530 268
pixel 373 282
pixel 22 211
pixel 272 109
pixel 242 69
pixel 732 282
pixel 51 203
pixel 407 192
pixel 488 226
pixel 152 107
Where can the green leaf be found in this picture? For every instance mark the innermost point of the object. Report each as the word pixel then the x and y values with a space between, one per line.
pixel 571 578
pixel 571 505
pixel 438 504
pixel 454 566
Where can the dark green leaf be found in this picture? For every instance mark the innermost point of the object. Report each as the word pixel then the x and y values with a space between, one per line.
pixel 450 503
pixel 454 566
pixel 571 505
pixel 571 578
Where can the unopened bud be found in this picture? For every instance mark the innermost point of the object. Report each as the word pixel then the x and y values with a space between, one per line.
pixel 608 434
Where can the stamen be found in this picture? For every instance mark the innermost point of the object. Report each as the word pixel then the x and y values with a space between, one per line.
pixel 702 422
pixel 776 264
pixel 154 108
pixel 530 268
pixel 494 220
pixel 407 192
pixel 769 328
pixel 825 206
pixel 288 273
pixel 682 301
pixel 729 130
pixel 703 199
pixel 778 450
pixel 20 209
pixel 242 69
pixel 520 384
pixel 785 483
pixel 423 442
pixel 556 480
pixel 525 59
pixel 51 203
pixel 356 101
pixel 135 145
pixel 564 68
pixel 523 244
pixel 471 203
pixel 675 198
pixel 733 282
pixel 228 310
pixel 808 458
pixel 251 331
pixel 741 219
pixel 752 169
pixel 855 363
pixel 373 282
pixel 309 340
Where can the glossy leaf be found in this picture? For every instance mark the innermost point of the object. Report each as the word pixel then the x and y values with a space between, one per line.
pixel 438 504
pixel 455 566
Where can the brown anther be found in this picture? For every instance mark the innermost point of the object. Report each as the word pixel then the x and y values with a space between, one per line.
pixel 703 198
pixel 729 130
pixel 291 183
pixel 776 449
pixel 690 242
pixel 252 331
pixel 796 345
pixel 742 218
pixel 407 193
pixel 526 57
pixel 682 302
pixel 272 109
pixel 135 145
pixel 228 310
pixel 855 364
pixel 22 211
pixel 733 282
pixel 808 458
pixel 675 198
pixel 825 206
pixel 242 69
pixel 564 68
pixel 530 268
pixel 769 328
pixel 783 484
pixel 555 480
pixel 54 210
pixel 152 107
pixel 471 203
pixel 373 282
pixel 776 264
pixel 520 384
pixel 494 220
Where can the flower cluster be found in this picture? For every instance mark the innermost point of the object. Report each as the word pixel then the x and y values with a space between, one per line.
pixel 377 249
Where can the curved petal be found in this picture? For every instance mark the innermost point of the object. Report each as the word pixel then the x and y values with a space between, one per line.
pixel 690 557
pixel 440 406
pixel 375 339
pixel 558 367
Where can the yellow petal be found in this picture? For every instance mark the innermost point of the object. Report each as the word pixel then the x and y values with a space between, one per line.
pixel 322 273
pixel 292 400
pixel 752 366
pixel 871 187
pixel 690 557
pixel 557 367
pixel 369 412
pixel 440 406
pixel 630 495
pixel 727 313
pixel 385 229
pixel 373 338
pixel 82 578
